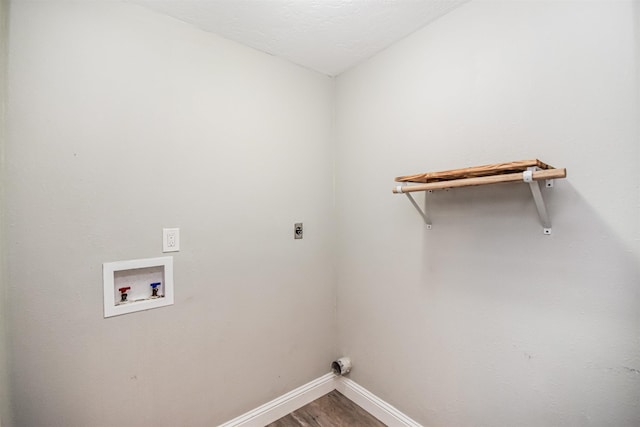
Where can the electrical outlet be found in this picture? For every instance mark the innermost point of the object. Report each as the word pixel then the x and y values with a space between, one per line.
pixel 297 230
pixel 170 239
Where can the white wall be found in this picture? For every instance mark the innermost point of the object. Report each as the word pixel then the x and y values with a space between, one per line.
pixel 4 369
pixel 122 122
pixel 483 320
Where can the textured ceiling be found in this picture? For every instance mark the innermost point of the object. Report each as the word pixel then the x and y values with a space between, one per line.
pixel 329 36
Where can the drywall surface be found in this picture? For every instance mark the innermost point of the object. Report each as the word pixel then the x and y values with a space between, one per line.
pixel 122 122
pixel 4 378
pixel 483 320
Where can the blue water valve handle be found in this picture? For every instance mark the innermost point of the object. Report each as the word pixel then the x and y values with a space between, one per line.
pixel 154 288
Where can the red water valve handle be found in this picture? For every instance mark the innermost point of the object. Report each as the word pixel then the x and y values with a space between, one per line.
pixel 123 293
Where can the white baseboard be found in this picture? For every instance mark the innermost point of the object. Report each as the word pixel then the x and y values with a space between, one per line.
pixel 281 406
pixel 296 399
pixel 371 403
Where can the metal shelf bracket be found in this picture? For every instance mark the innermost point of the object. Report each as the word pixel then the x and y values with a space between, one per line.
pixel 424 213
pixel 538 199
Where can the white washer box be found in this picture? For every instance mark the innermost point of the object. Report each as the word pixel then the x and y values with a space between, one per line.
pixel 138 275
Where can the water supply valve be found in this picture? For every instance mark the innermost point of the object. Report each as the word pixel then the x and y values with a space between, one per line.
pixel 123 293
pixel 154 289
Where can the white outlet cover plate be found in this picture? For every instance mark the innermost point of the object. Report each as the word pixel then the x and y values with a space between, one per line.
pixel 170 239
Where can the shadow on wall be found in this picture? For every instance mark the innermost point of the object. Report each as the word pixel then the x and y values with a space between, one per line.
pixel 530 317
pixel 495 233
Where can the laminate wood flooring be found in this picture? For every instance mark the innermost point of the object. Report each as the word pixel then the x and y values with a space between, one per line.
pixel 331 410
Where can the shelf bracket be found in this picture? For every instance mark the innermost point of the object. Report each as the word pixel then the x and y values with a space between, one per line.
pixel 424 213
pixel 537 198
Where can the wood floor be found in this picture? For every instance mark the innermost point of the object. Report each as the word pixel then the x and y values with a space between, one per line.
pixel 331 410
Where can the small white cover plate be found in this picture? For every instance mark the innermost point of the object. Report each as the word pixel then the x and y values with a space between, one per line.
pixel 170 239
